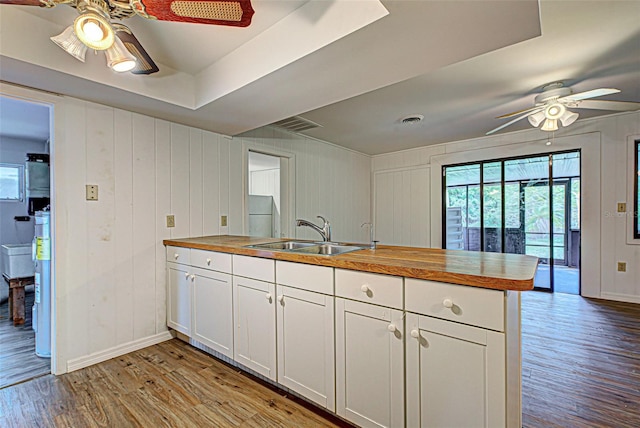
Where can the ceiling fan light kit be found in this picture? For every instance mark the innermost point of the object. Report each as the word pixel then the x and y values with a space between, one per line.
pixel 553 104
pixel 119 58
pixel 94 28
pixel 68 41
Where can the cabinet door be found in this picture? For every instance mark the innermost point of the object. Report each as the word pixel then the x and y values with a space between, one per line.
pixel 455 375
pixel 255 325
pixel 213 310
pixel 306 354
pixel 369 364
pixel 179 298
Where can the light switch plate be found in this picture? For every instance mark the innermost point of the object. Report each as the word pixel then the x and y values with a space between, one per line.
pixel 622 207
pixel 223 220
pixel 622 266
pixel 92 192
pixel 171 221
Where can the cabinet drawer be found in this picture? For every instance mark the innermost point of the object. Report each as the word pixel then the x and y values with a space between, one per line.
pixel 367 287
pixel 306 277
pixel 178 255
pixel 211 260
pixel 469 305
pixel 254 267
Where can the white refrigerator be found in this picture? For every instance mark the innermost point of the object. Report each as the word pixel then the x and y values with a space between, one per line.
pixel 42 306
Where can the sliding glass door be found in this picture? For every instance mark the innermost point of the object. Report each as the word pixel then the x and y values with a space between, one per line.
pixel 522 206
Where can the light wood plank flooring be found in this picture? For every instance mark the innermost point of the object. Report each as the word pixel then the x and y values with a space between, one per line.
pixel 170 384
pixel 18 361
pixel 581 368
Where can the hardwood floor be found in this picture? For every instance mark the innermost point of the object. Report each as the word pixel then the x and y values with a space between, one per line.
pixel 18 361
pixel 581 362
pixel 170 384
pixel 581 368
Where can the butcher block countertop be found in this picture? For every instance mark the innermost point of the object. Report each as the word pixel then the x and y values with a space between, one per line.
pixel 473 268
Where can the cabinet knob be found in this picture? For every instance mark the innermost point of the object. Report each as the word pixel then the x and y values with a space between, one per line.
pixel 176 255
pixel 447 303
pixel 186 275
pixel 281 298
pixel 415 333
pixel 208 262
pixel 365 288
pixel 268 296
pixel 392 328
pixel 193 277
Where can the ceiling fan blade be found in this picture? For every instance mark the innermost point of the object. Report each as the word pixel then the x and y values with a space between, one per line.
pixel 144 63
pixel 23 2
pixel 515 113
pixel 589 94
pixel 236 13
pixel 609 105
pixel 504 125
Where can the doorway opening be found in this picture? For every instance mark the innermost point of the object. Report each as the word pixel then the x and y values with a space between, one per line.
pixel 267 197
pixel 525 205
pixel 25 263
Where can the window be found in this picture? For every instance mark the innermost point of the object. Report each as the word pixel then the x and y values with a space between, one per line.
pixel 10 182
pixel 636 192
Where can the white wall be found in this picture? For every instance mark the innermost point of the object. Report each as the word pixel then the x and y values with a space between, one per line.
pixel 607 179
pixel 13 151
pixel 109 258
pixel 330 181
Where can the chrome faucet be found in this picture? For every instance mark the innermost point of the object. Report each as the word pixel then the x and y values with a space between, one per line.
pixel 325 230
pixel 373 243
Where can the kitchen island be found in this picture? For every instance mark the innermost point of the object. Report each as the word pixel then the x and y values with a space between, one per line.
pixel 395 336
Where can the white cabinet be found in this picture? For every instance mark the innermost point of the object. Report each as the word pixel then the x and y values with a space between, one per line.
pixel 179 297
pixel 369 364
pixel 369 348
pixel 255 316
pixel 199 296
pixel 462 356
pixel 455 374
pixel 305 331
pixel 213 310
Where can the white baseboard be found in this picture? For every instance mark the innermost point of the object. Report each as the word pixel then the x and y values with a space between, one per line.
pixel 116 351
pixel 619 297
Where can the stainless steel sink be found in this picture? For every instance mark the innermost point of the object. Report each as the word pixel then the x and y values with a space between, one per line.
pixel 329 249
pixel 304 247
pixel 284 245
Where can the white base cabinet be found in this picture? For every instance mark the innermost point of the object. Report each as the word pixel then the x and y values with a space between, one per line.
pixel 369 364
pixel 179 298
pixel 455 375
pixel 255 325
pixel 212 322
pixel 306 353
pixel 378 350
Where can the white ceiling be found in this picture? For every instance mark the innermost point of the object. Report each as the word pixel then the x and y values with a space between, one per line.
pixel 23 120
pixel 353 66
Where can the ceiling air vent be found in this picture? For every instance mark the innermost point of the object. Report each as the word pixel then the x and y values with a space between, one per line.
pixel 296 124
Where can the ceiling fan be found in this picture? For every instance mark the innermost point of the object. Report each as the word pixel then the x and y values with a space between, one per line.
pixel 554 104
pixel 94 27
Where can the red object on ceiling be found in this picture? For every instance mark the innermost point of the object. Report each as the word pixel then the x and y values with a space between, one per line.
pixel 235 13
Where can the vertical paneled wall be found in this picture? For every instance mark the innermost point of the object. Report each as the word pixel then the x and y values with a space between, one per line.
pixel 614 132
pixel 401 207
pixel 110 271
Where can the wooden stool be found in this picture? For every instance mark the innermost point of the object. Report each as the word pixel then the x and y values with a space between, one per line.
pixel 16 297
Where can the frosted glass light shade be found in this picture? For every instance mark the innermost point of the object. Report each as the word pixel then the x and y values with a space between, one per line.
pixel 119 58
pixel 536 119
pixel 68 41
pixel 550 125
pixel 568 118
